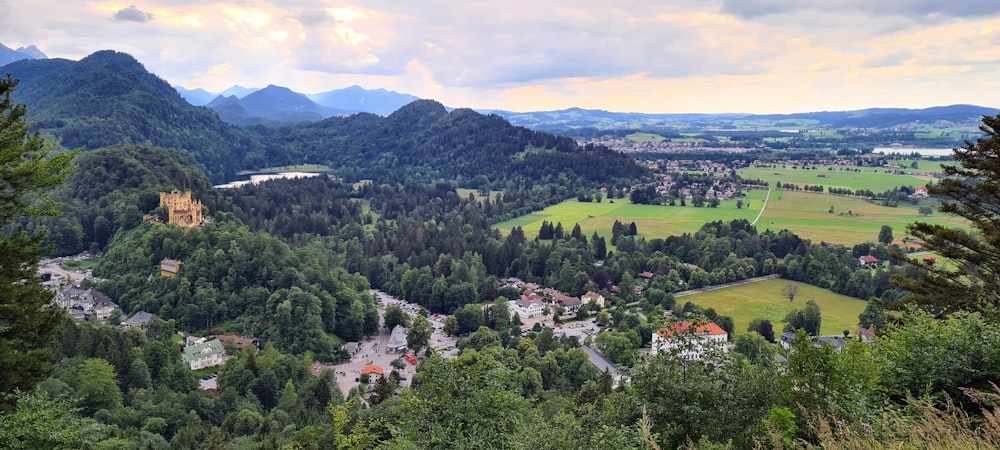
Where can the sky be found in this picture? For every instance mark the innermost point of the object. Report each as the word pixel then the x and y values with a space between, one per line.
pixel 667 56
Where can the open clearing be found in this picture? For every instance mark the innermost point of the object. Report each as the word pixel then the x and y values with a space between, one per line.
pixel 764 300
pixel 652 221
pixel 877 180
pixel 853 221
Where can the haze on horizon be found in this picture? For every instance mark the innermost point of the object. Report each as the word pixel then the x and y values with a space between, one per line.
pixel 758 56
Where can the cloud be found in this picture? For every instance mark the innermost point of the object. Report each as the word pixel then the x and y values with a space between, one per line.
pixel 133 14
pixel 924 9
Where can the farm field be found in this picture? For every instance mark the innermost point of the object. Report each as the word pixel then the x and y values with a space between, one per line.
pixel 651 221
pixel 852 222
pixel 873 179
pixel 316 168
pixel 764 300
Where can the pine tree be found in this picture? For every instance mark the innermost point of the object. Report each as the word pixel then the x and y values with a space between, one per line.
pixel 28 324
pixel 972 282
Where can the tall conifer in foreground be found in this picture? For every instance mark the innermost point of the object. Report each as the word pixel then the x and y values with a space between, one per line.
pixel 972 191
pixel 28 321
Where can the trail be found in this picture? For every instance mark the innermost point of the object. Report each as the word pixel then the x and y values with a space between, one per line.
pixel 762 208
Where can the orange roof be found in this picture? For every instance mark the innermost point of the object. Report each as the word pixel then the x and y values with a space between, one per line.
pixel 372 369
pixel 708 329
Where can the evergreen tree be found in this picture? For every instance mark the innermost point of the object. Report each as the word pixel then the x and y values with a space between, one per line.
pixel 970 188
pixel 28 326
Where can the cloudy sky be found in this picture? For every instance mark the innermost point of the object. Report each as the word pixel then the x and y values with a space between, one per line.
pixel 530 55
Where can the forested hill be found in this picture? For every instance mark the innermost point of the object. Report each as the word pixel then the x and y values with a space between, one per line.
pixel 423 142
pixel 108 98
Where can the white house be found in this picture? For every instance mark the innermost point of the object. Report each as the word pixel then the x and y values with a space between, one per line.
pixel 527 309
pixel 590 295
pixel 206 354
pixel 691 340
pixel 397 339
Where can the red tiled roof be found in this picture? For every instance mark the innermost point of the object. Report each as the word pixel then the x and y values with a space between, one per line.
pixel 869 259
pixel 708 329
pixel 372 369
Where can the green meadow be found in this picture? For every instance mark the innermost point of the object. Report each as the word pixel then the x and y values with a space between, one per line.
pixel 315 168
pixel 854 178
pixel 853 220
pixel 652 221
pixel 764 300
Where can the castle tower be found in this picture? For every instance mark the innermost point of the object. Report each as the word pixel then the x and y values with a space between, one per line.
pixel 181 209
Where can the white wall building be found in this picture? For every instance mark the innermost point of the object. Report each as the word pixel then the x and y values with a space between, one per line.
pixel 688 340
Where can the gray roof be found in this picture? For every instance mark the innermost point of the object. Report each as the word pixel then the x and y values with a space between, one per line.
pixel 397 339
pixel 600 361
pixel 140 319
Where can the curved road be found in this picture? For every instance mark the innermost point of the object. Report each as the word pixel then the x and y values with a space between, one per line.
pixel 762 208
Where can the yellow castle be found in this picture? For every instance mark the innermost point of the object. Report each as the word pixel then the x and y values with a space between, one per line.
pixel 181 209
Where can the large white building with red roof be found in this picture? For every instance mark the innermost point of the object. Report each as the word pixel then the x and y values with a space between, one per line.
pixel 691 339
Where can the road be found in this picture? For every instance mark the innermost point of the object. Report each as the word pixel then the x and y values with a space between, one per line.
pixel 762 208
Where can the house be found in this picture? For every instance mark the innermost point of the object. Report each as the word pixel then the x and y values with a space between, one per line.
pixel 140 319
pixel 372 369
pixel 82 304
pixel 646 276
pixel 351 348
pixel 868 261
pixel 239 342
pixel 206 354
pixel 593 296
pixel 865 334
pixel 169 267
pixel 397 339
pixel 692 339
pixel 570 304
pixel 838 342
pixel 920 192
pixel 527 309
pixel 786 339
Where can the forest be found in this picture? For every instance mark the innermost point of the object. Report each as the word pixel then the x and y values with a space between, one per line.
pixel 292 262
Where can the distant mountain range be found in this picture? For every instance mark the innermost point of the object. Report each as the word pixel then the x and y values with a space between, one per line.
pixel 276 104
pixel 876 118
pixel 8 55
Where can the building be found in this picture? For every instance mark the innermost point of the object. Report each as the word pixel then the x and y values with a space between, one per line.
pixel 240 342
pixel 82 304
pixel 593 296
pixel 527 308
pixel 181 209
pixel 691 339
pixel 209 353
pixel 372 370
pixel 570 304
pixel 397 340
pixel 169 267
pixel 868 261
pixel 141 320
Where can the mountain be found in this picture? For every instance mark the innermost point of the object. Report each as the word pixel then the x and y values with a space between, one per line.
pixel 197 97
pixel 109 98
pixel 357 98
pixel 424 142
pixel 273 105
pixel 8 55
pixel 876 118
pixel 238 91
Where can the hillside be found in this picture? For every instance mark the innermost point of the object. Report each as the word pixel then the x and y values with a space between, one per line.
pixel 109 98
pixel 273 105
pixel 424 142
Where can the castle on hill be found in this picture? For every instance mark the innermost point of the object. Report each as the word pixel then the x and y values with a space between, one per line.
pixel 181 209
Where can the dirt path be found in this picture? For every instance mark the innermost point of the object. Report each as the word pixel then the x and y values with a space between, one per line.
pixel 762 208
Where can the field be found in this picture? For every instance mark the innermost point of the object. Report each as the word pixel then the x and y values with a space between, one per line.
pixel 764 300
pixel 645 137
pixel 317 168
pixel 853 220
pixel 464 193
pixel 651 221
pixel 875 180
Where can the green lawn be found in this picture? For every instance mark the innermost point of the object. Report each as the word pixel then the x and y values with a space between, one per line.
pixel 317 168
pixel 651 221
pixel 73 265
pixel 764 300
pixel 852 222
pixel 645 137
pixel 873 179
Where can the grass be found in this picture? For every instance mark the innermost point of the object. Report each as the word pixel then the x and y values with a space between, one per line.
pixel 807 215
pixel 464 193
pixel 764 300
pixel 316 168
pixel 650 220
pixel 874 179
pixel 644 137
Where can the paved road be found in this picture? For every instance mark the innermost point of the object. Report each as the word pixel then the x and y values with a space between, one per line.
pixel 722 286
pixel 762 208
